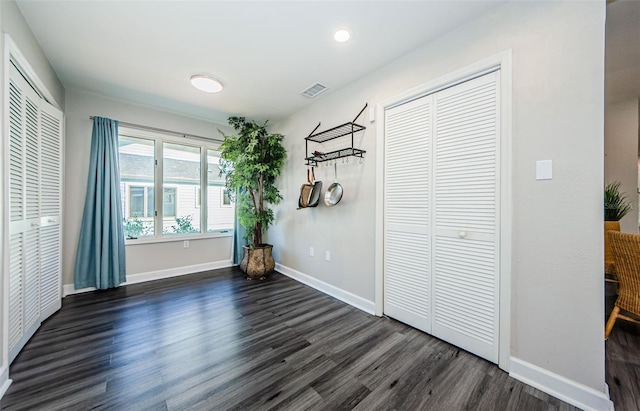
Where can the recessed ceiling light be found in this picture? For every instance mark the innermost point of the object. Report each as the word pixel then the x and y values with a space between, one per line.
pixel 206 83
pixel 341 35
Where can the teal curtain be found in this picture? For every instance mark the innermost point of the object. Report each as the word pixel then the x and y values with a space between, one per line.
pixel 100 261
pixel 238 237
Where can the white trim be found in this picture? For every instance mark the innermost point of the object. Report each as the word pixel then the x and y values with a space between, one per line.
pixel 506 208
pixel 4 276
pixel 379 223
pixel 5 382
pixel 567 390
pixel 335 292
pixel 25 68
pixel 501 61
pixel 221 233
pixel 69 289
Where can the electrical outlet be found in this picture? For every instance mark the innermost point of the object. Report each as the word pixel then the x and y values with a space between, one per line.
pixel 311 252
pixel 186 243
pixel 327 255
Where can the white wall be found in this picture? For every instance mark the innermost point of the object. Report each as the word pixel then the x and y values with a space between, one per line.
pixel 140 258
pixel 154 257
pixel 621 154
pixel 13 22
pixel 558 80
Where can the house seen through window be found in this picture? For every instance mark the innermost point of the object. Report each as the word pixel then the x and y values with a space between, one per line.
pixel 151 165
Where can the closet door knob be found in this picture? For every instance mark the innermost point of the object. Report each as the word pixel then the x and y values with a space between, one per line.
pixel 462 234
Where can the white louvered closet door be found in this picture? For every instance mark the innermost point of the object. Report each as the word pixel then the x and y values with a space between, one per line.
pixel 50 210
pixel 407 217
pixel 17 214
pixel 34 232
pixel 441 214
pixel 466 223
pixel 32 205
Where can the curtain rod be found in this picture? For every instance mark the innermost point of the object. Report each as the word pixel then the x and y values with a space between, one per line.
pixel 162 130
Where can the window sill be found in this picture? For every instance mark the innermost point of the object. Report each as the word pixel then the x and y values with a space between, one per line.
pixel 178 238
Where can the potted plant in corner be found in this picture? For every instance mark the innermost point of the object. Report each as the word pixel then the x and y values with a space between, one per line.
pixel 616 206
pixel 251 161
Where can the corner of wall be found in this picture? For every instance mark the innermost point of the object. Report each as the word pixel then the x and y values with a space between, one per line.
pixel 14 24
pixel 335 292
pixel 567 390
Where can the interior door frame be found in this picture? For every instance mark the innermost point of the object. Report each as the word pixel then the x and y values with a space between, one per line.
pixel 502 62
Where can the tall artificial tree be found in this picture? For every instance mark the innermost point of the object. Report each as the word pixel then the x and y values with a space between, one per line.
pixel 251 160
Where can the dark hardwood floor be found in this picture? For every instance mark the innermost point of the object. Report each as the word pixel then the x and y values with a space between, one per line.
pixel 215 341
pixel 622 359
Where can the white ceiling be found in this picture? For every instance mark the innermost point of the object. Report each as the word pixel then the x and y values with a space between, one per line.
pixel 265 52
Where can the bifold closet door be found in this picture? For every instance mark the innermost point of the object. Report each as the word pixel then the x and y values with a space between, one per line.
pixel 34 238
pixel 24 193
pixel 51 121
pixel 466 216
pixel 407 213
pixel 441 209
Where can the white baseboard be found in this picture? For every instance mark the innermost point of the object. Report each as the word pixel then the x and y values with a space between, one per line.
pixel 69 289
pixel 5 382
pixel 342 295
pixel 567 390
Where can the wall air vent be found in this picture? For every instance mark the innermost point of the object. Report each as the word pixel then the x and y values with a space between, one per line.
pixel 313 90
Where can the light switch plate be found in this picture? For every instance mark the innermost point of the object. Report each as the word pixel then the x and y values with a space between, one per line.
pixel 544 170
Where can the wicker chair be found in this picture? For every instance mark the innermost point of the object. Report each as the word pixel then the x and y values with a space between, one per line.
pixel 626 252
pixel 609 262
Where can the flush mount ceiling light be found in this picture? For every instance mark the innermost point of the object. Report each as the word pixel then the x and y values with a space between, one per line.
pixel 341 35
pixel 206 83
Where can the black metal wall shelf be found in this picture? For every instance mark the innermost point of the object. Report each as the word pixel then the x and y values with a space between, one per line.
pixel 343 130
pixel 339 131
pixel 334 155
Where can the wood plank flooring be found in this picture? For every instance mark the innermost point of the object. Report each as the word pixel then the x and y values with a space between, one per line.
pixel 622 359
pixel 215 341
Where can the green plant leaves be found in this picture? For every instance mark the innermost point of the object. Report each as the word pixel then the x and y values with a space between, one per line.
pixel 616 204
pixel 251 160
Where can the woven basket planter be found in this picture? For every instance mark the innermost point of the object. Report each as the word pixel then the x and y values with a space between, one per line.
pixel 257 263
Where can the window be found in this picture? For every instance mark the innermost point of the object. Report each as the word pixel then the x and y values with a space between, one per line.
pixel 226 200
pixel 140 202
pixel 181 169
pixel 221 212
pixel 151 164
pixel 169 202
pixel 137 180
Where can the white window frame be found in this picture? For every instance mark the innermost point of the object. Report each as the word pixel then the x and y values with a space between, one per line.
pixel 128 193
pixel 222 203
pixel 159 139
pixel 198 200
